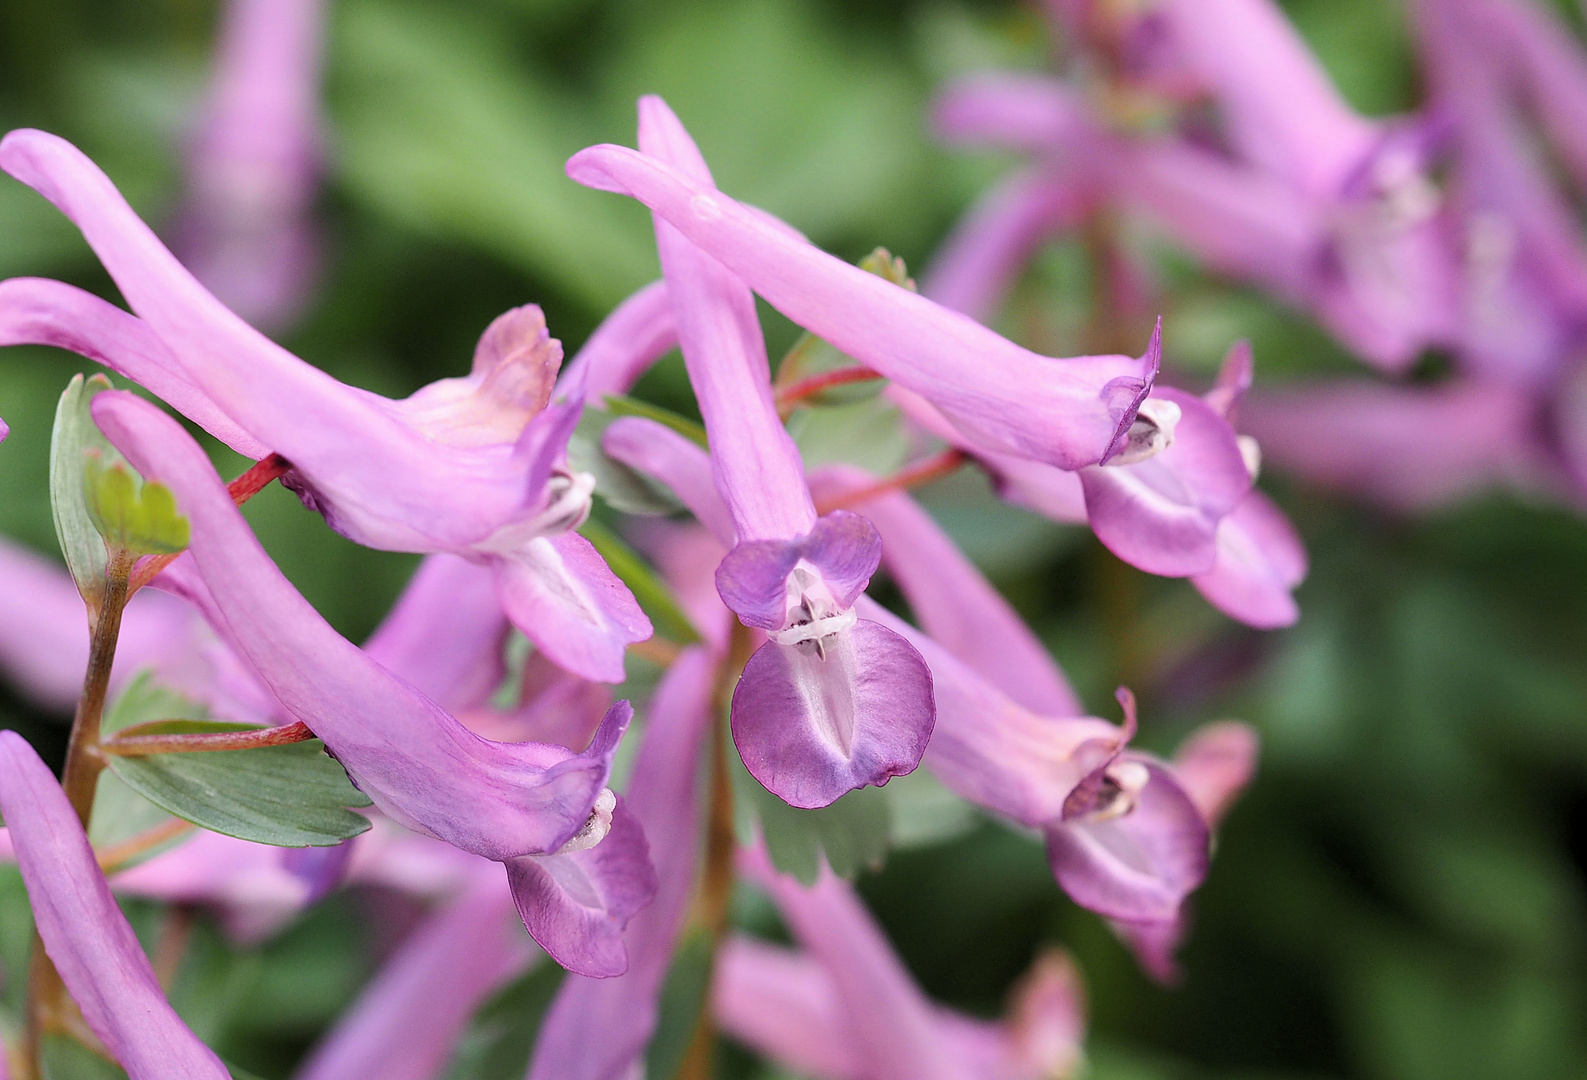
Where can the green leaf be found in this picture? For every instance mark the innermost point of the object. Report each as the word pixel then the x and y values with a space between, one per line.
pixel 652 593
pixel 144 701
pixel 924 812
pixel 619 487
pixel 622 405
pixel 868 433
pixel 502 1035
pixel 441 124
pixel 129 512
pixel 290 796
pixel 73 434
pixel 852 834
pixel 683 998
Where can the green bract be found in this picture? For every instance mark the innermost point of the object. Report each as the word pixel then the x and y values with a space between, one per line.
pixel 75 433
pixel 130 513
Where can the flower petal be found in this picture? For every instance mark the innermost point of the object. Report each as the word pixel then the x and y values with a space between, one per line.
pixel 1162 514
pixel 413 758
pixel 85 933
pixel 843 546
pixel 812 725
pixel 566 599
pixel 576 904
pixel 1260 559
pixel 1140 866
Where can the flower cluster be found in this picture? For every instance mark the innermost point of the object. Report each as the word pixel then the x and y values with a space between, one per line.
pixel 1449 230
pixel 472 752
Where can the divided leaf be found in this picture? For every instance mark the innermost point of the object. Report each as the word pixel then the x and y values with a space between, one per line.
pixel 289 796
pixel 131 513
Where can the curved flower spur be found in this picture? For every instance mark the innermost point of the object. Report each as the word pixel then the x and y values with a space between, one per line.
pixel 576 860
pixel 473 465
pixel 1067 412
pixel 830 702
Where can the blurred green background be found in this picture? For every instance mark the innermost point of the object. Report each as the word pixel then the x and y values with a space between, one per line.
pixel 1400 896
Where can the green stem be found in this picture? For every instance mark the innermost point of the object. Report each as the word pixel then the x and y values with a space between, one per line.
pixel 47 997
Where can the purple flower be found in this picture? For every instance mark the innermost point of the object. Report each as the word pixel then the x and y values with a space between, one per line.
pixel 254 162
pixel 574 856
pixel 1176 500
pixel 474 465
pixel 1325 208
pixel 828 703
pixel 845 1008
pixel 84 932
pixel 1409 448
pixel 1001 397
pixel 598 1029
pixel 1123 837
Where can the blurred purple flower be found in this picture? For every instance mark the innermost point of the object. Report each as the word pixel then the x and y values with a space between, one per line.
pixel 845 1008
pixel 254 162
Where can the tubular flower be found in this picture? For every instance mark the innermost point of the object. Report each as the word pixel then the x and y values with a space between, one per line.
pixel 844 1007
pixel 1067 412
pixel 1124 837
pixel 598 1030
pixel 1176 500
pixel 85 933
pixel 255 159
pixel 575 858
pixel 481 459
pixel 829 703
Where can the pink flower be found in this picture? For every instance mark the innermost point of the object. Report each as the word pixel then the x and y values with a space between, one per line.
pixel 474 465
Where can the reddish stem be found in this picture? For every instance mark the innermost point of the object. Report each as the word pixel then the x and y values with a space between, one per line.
pixel 795 392
pixel 921 472
pixel 130 744
pixel 245 487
